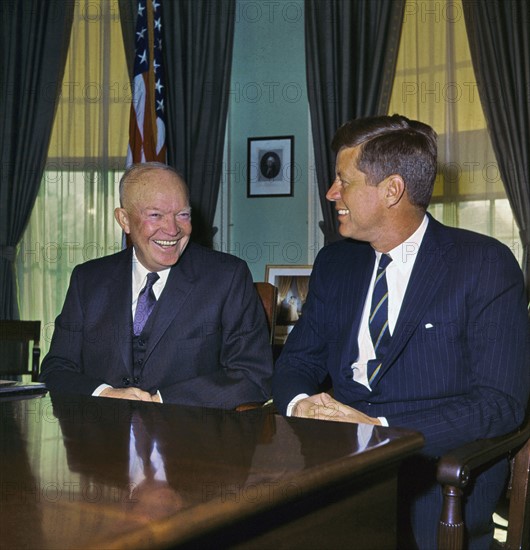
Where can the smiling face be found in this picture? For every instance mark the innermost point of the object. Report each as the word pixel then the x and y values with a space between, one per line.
pixel 157 217
pixel 361 207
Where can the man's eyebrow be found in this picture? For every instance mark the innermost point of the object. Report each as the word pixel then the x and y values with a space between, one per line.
pixel 158 209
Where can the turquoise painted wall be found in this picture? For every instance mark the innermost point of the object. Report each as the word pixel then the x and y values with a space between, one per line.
pixel 268 98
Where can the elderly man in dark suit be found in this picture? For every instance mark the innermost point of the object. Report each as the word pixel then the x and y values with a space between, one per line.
pixel 164 320
pixel 417 324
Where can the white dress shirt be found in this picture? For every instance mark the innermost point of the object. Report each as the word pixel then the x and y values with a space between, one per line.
pixel 139 279
pixel 398 274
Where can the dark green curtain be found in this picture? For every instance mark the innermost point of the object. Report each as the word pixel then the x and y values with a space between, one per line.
pixel 499 41
pixel 198 44
pixel 34 37
pixel 128 15
pixel 351 52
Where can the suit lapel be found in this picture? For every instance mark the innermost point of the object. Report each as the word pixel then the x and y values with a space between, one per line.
pixel 178 287
pixel 358 280
pixel 122 306
pixel 425 280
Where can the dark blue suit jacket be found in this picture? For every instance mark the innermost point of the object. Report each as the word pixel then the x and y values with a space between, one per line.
pixel 208 343
pixel 458 366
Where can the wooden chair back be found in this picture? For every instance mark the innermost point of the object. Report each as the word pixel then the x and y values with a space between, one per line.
pixel 268 295
pixel 15 338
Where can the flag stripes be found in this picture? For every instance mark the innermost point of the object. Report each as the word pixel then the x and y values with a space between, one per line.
pixel 147 129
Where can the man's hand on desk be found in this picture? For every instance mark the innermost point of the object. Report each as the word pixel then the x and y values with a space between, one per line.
pixel 129 393
pixel 323 407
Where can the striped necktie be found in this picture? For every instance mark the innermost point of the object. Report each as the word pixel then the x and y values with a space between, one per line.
pixel 378 320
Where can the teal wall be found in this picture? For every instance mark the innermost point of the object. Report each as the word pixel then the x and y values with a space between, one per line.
pixel 268 98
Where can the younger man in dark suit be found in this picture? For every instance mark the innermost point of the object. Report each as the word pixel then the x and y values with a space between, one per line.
pixel 194 333
pixel 417 324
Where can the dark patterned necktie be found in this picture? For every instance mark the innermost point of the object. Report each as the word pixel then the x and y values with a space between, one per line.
pixel 146 303
pixel 378 321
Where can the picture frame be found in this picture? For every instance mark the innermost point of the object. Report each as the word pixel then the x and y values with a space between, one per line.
pixel 292 282
pixel 270 166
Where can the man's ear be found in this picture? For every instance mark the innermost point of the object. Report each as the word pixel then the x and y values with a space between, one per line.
pixel 123 219
pixel 394 190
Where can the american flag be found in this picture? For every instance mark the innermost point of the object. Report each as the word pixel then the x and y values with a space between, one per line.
pixel 147 129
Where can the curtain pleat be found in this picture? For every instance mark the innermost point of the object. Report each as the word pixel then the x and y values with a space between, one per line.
pixel 198 44
pixel 72 220
pixel 499 42
pixel 34 38
pixel 351 51
pixel 128 15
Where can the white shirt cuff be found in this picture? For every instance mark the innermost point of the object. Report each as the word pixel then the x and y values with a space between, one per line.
pixel 383 420
pixel 293 402
pixel 99 389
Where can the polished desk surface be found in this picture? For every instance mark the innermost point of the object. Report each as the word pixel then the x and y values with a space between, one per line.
pixel 102 473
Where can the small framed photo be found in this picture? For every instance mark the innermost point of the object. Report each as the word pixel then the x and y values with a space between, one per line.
pixel 270 166
pixel 292 282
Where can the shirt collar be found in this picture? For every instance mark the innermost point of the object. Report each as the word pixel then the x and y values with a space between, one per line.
pixel 404 254
pixel 139 273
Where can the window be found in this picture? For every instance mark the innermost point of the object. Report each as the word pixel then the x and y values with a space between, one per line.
pixel 72 220
pixel 435 83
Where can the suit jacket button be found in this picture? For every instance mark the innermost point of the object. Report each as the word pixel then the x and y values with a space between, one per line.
pixel 141 343
pixel 125 381
pixel 140 362
pixel 136 379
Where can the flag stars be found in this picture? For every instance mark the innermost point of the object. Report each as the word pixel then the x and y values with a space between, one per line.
pixel 143 57
pixel 148 71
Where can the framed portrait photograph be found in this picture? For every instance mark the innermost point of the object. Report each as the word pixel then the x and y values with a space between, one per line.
pixel 270 166
pixel 292 282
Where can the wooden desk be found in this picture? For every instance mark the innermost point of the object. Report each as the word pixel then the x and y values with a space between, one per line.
pixel 72 476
